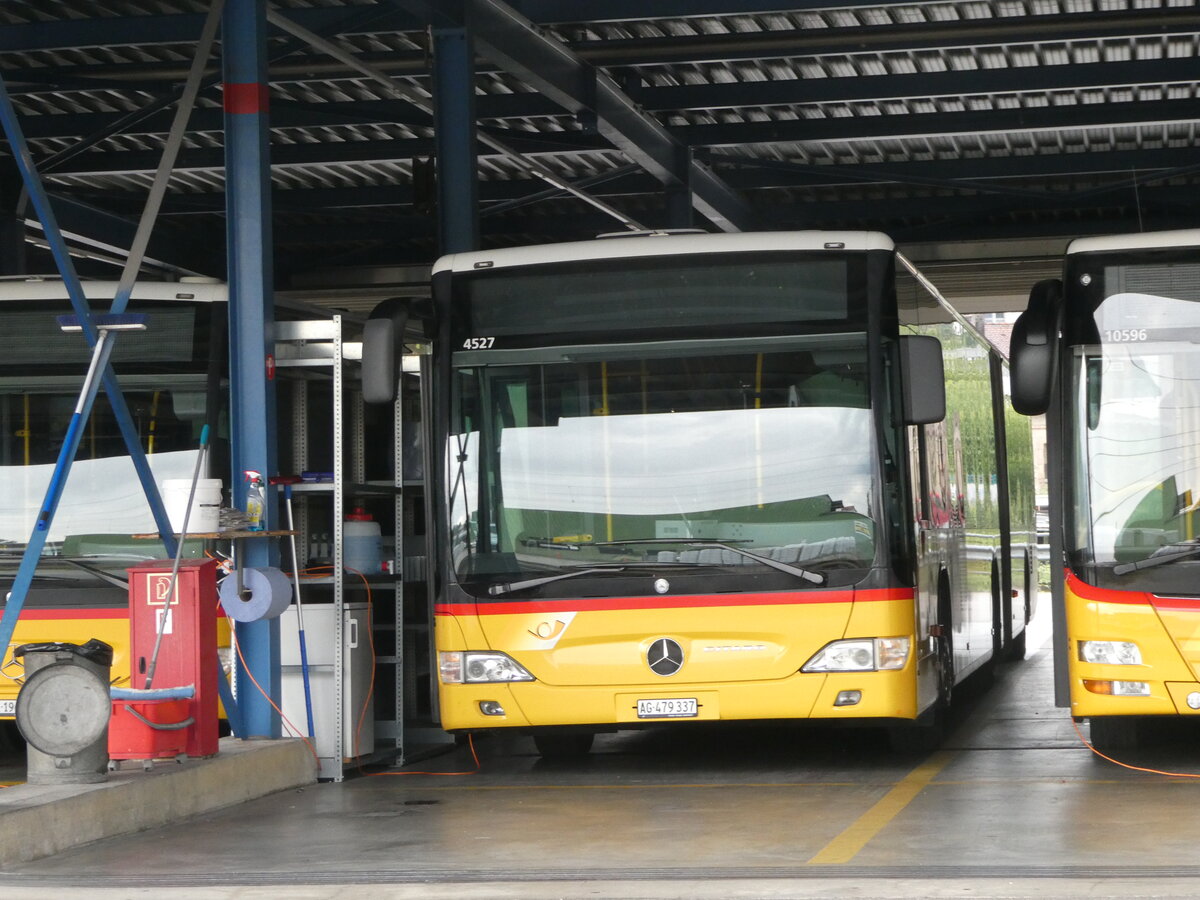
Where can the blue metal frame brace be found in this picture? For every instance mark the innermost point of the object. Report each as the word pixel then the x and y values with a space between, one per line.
pixel 253 418
pixel 99 373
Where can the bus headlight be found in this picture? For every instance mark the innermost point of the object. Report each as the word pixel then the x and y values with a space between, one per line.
pixel 861 655
pixel 1112 653
pixel 480 667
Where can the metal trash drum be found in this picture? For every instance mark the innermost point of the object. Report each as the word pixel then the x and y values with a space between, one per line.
pixel 63 710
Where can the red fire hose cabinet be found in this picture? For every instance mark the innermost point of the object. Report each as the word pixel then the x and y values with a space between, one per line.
pixel 188 652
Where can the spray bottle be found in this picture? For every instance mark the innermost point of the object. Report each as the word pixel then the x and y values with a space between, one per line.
pixel 255 501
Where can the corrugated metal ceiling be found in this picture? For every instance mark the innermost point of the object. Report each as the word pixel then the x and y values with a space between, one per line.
pixel 932 121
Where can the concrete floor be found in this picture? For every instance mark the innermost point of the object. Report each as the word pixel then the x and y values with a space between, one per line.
pixel 1013 806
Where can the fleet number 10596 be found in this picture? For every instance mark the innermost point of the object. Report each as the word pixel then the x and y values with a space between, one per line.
pixel 1124 335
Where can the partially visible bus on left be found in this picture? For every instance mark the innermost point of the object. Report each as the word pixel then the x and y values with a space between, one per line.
pixel 77 591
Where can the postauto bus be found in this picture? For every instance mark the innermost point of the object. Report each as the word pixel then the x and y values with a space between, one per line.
pixel 1111 354
pixel 78 591
pixel 692 477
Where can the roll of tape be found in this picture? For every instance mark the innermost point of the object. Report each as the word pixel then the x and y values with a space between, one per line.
pixel 269 594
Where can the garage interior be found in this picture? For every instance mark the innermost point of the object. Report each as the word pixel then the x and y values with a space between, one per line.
pixel 366 138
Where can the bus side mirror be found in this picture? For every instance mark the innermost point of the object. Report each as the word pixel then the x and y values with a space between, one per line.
pixel 383 348
pixel 923 379
pixel 1033 349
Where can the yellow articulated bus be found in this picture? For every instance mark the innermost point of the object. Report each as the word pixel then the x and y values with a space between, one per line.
pixel 78 591
pixel 693 477
pixel 1111 354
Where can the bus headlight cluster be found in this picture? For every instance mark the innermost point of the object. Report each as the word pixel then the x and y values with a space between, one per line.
pixel 860 655
pixel 1112 653
pixel 480 667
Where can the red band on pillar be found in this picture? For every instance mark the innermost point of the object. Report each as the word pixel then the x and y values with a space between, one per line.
pixel 246 98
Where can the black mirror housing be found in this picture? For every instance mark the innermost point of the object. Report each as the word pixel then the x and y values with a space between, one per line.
pixel 1034 347
pixel 383 348
pixel 923 379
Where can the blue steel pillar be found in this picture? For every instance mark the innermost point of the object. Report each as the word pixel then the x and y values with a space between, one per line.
pixel 251 326
pixel 454 115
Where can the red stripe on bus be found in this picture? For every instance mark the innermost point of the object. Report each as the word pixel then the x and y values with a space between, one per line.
pixel 603 604
pixel 246 99
pixel 1090 592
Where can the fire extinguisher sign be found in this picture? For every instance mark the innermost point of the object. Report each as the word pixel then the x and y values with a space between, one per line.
pixel 158 585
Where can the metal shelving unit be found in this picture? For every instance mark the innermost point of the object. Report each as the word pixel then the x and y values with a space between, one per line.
pixel 307 353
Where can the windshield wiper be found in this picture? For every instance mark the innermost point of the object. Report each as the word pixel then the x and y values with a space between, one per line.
pixel 497 590
pixel 115 581
pixel 1157 560
pixel 813 577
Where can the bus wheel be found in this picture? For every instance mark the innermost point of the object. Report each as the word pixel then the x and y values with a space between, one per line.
pixel 1114 733
pixel 1016 649
pixel 571 745
pixel 922 736
pixel 945 661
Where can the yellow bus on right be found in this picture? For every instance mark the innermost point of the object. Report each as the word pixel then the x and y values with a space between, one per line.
pixel 1111 355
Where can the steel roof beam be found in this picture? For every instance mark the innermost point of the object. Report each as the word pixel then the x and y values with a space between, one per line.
pixel 931 208
pixel 750 174
pixel 88 224
pixel 886 213
pixel 706 48
pixel 914 37
pixel 924 85
pixel 546 12
pixel 457 44
pixel 504 36
pixel 181 28
pixel 140 162
pixel 945 125
pixel 124 31
pixel 830 130
pixel 1023 80
pixel 743 173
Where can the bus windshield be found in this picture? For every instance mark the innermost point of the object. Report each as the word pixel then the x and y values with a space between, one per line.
pixel 1135 405
pixel 550 466
pixel 102 494
pixel 162 373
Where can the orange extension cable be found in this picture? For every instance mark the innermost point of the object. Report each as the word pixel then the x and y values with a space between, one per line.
pixel 1117 762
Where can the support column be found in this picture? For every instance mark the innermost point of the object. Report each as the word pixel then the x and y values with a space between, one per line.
pixel 251 327
pixel 454 114
pixel 679 195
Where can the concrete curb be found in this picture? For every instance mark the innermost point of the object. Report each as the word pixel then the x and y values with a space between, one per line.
pixel 41 820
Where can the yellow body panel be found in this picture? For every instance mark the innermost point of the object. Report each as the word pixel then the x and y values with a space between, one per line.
pixel 77 629
pixel 1164 637
pixel 741 662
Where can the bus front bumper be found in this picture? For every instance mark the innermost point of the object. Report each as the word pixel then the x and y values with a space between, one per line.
pixel 844 696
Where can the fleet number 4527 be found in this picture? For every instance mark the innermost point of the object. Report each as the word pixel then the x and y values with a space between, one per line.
pixel 480 343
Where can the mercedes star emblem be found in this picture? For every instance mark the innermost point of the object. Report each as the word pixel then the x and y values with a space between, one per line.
pixel 661 585
pixel 665 657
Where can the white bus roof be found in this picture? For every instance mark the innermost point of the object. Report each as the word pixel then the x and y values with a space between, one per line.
pixel 1185 237
pixel 663 244
pixel 51 287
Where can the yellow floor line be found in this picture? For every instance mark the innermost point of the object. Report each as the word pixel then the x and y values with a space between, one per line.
pixel 846 845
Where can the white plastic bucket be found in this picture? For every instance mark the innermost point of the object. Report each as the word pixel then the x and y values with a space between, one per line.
pixel 206 505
